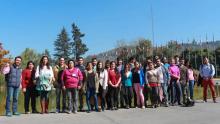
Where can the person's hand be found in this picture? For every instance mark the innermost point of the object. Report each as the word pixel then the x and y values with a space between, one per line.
pixel 79 87
pixel 24 90
pixel 64 88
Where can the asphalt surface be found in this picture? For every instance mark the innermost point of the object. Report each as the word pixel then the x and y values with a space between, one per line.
pixel 201 113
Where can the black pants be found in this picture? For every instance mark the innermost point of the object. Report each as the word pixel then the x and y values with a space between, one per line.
pixel 154 95
pixel 127 94
pixel 113 96
pixel 30 94
pixel 60 91
pixel 102 94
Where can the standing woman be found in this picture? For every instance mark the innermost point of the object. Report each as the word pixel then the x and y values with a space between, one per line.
pixel 103 83
pixel 114 83
pixel 44 76
pixel 138 83
pixel 29 87
pixel 152 81
pixel 91 86
pixel 190 79
pixel 175 86
pixel 71 81
pixel 127 85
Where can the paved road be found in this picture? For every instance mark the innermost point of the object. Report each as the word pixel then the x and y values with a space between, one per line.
pixel 202 113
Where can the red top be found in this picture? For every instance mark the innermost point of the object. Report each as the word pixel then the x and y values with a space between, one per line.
pixel 27 78
pixel 71 78
pixel 113 76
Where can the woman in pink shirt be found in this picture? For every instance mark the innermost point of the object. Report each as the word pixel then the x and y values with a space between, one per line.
pixel 190 78
pixel 71 81
pixel 175 86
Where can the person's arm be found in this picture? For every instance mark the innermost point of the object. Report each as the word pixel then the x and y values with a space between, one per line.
pixel 109 80
pixel 51 75
pixel 119 81
pixel 80 79
pixel 37 73
pixel 200 71
pixel 62 79
pixel 23 82
pixel 213 71
pixel 105 79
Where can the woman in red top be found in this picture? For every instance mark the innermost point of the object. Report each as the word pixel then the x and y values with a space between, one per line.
pixel 114 81
pixel 29 88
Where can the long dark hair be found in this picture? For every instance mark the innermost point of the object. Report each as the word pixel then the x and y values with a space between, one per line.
pixel 116 70
pixel 41 62
pixel 30 62
pixel 99 70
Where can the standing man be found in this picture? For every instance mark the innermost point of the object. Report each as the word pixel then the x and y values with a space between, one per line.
pixel 81 67
pixel 58 70
pixel 164 78
pixel 207 72
pixel 94 64
pixel 120 67
pixel 13 77
pixel 183 80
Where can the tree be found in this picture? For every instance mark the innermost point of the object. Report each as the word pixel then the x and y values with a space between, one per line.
pixel 3 53
pixel 30 55
pixel 62 45
pixel 78 47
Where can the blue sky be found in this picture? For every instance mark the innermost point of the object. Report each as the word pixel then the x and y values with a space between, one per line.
pixel 35 24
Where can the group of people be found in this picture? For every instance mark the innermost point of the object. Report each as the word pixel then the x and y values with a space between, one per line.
pixel 105 85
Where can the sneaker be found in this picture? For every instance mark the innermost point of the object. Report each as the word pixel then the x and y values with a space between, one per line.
pixel 69 112
pixel 16 113
pixel 8 114
pixel 74 112
pixel 204 101
pixel 35 112
pixel 27 112
pixel 215 101
pixel 143 107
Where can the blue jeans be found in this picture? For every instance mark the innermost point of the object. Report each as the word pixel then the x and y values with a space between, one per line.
pixel 176 92
pixel 191 87
pixel 89 93
pixel 164 87
pixel 12 92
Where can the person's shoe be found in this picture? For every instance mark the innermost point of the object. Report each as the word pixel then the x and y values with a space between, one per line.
pixel 166 105
pixel 16 113
pixel 88 111
pixel 69 112
pixel 27 112
pixel 35 112
pixel 143 107
pixel 8 114
pixel 74 112
pixel 57 111
pixel 204 101
pixel 214 100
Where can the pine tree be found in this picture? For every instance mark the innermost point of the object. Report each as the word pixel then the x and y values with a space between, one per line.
pixel 78 47
pixel 62 45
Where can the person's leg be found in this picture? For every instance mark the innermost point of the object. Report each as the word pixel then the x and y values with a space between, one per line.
pixel 205 85
pixel 81 99
pixel 173 95
pixel 63 100
pixel 94 94
pixel 69 96
pixel 58 93
pixel 47 102
pixel 75 100
pixel 111 93
pixel 191 87
pixel 130 95
pixel 141 96
pixel 88 96
pixel 10 92
pixel 212 87
pixel 104 91
pixel 15 100
pixel 27 99
pixel 116 93
pixel 136 87
pixel 33 100
pixel 179 92
pixel 125 94
pixel 183 87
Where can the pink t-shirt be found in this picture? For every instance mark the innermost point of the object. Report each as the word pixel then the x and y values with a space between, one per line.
pixel 190 74
pixel 174 71
pixel 71 78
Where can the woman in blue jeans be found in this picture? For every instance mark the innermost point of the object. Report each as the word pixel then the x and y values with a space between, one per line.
pixel 190 78
pixel 91 86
